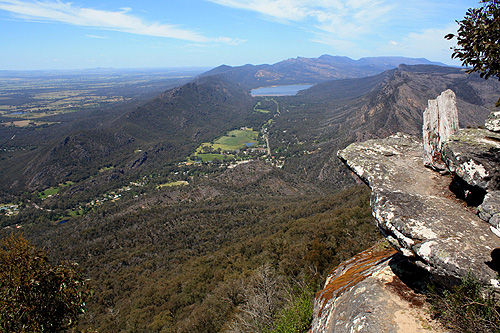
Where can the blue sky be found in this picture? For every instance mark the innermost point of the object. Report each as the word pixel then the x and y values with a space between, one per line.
pixel 51 34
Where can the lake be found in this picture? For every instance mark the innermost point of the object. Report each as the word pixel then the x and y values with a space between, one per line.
pixel 289 90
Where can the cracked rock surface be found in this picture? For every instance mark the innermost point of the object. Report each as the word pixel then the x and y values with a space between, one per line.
pixel 418 213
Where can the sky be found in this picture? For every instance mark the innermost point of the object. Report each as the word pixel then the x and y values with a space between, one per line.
pixel 57 34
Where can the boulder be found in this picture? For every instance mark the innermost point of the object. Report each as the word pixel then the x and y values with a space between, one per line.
pixel 440 123
pixel 418 213
pixel 493 121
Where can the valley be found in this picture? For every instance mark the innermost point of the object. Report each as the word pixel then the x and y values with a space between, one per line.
pixel 182 198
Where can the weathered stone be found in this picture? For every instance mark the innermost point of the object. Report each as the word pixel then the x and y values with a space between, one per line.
pixel 493 121
pixel 366 294
pixel 474 156
pixel 490 207
pixel 416 210
pixel 440 123
pixel 495 221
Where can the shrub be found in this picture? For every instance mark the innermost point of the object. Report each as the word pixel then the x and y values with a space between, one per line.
pixel 35 296
pixel 467 307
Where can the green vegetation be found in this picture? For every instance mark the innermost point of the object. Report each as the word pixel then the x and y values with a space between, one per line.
pixel 48 192
pixel 236 139
pixel 467 307
pixel 223 147
pixel 297 316
pixel 34 295
pixel 213 157
pixel 266 105
pixel 138 256
pixel 177 183
pixel 53 190
pixel 478 40
pixel 106 168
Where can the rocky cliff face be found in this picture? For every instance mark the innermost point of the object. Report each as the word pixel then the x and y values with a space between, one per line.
pixel 418 210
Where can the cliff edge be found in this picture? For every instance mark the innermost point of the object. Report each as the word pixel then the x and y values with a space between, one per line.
pixel 443 218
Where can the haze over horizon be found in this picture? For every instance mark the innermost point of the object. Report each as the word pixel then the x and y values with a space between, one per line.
pixel 206 33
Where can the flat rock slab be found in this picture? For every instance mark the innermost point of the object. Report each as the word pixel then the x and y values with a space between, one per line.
pixel 417 212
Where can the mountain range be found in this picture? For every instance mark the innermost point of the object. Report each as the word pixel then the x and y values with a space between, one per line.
pixel 311 70
pixel 168 128
pixel 171 244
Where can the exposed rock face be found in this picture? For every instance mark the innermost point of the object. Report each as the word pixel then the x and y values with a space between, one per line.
pixel 474 156
pixel 366 294
pixel 489 210
pixel 418 213
pixel 493 122
pixel 440 123
pixel 420 216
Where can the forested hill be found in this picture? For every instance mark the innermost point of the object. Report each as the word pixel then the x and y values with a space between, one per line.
pixel 164 130
pixel 311 70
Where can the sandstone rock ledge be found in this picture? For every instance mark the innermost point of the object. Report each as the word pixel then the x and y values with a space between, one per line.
pixel 364 294
pixel 418 213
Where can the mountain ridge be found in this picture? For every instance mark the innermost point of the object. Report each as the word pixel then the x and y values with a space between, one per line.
pixel 311 70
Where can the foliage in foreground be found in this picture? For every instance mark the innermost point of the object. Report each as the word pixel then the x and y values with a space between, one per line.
pixel 478 40
pixel 34 295
pixel 467 307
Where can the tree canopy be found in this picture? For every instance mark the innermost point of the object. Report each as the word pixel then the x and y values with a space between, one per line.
pixel 34 295
pixel 478 40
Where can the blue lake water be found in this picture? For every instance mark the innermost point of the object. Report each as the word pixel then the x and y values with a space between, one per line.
pixel 289 90
pixel 249 144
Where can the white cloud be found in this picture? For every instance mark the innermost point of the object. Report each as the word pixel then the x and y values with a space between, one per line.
pixel 98 37
pixel 429 43
pixel 343 18
pixel 121 20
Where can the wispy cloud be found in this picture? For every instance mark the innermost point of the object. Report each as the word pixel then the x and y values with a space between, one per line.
pixel 416 44
pixel 120 20
pixel 342 18
pixel 97 37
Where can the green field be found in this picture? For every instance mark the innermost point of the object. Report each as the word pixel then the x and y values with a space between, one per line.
pixel 53 190
pixel 48 192
pixel 177 183
pixel 235 140
pixel 267 105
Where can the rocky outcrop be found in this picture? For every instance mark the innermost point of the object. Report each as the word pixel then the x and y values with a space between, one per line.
pixel 493 122
pixel 367 294
pixel 418 213
pixel 429 217
pixel 474 156
pixel 440 123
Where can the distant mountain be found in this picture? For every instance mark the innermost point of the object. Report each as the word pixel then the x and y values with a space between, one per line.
pixel 330 115
pixel 311 70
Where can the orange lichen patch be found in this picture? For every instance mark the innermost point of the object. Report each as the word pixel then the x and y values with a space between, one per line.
pixel 352 272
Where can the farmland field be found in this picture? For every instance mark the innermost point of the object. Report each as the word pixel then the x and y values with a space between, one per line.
pixel 236 139
pixel 27 95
